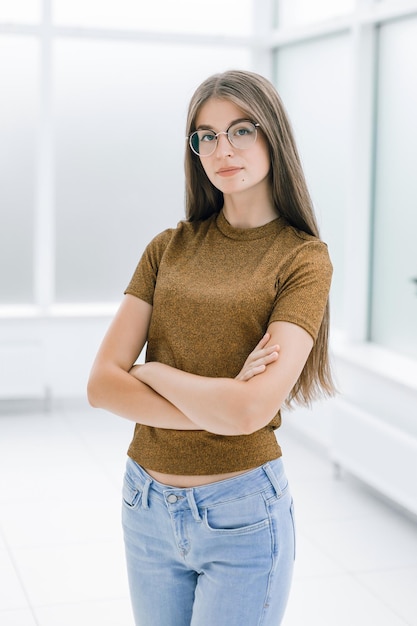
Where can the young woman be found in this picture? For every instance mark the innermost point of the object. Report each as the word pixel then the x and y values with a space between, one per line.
pixel 233 306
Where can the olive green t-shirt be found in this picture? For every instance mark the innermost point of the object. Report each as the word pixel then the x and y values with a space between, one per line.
pixel 214 290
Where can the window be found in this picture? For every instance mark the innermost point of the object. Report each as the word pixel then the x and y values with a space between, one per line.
pixel 394 293
pixel 212 17
pixel 26 11
pixel 296 12
pixel 318 103
pixel 18 152
pixel 120 140
pixel 72 228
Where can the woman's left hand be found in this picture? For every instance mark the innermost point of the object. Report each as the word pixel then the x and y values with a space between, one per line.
pixel 259 359
pixel 255 364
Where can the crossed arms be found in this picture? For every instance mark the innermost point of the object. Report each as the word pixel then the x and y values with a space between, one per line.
pixel 158 395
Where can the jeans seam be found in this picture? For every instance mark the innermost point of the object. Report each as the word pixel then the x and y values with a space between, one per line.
pixel 271 572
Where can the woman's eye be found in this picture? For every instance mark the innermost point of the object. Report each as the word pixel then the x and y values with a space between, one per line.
pixel 207 137
pixel 242 131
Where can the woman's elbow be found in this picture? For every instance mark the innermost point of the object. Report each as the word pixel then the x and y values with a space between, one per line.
pixel 255 417
pixel 95 386
pixel 249 425
pixel 92 395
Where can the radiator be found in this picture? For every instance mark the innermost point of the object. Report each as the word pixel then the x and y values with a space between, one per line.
pixel 376 452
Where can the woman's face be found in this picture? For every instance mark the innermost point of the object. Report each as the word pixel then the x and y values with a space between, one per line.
pixel 229 169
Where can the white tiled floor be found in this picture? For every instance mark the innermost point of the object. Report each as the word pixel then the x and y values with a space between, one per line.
pixel 61 552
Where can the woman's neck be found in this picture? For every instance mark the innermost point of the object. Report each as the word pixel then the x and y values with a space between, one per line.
pixel 248 212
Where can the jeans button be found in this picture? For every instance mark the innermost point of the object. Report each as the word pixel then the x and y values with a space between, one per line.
pixel 172 498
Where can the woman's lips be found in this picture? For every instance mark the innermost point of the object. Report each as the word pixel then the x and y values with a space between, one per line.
pixel 229 171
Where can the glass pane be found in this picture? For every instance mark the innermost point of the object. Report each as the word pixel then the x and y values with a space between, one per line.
pixel 120 140
pixel 214 17
pixel 314 80
pixel 394 296
pixel 27 11
pixel 292 12
pixel 18 109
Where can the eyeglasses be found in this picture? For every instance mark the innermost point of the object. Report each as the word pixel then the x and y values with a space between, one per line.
pixel 241 135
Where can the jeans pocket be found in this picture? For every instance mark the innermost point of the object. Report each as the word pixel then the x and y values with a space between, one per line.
pixel 130 493
pixel 239 516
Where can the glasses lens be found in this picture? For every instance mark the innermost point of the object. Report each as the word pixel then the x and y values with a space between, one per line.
pixel 242 135
pixel 203 142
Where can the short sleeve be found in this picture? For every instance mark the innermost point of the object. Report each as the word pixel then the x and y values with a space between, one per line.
pixel 303 288
pixel 142 283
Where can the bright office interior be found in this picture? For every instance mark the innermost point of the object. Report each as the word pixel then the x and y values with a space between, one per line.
pixel 92 117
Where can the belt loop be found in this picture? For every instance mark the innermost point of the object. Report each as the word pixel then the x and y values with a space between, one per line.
pixel 273 479
pixel 145 493
pixel 193 505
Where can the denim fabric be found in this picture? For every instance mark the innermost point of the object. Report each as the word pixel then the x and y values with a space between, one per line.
pixel 217 555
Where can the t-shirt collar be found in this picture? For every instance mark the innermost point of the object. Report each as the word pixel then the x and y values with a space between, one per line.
pixel 246 234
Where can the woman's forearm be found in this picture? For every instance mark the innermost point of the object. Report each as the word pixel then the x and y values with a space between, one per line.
pixel 213 404
pixel 228 406
pixel 219 405
pixel 121 393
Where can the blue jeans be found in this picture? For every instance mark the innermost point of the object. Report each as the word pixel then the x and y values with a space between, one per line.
pixel 217 555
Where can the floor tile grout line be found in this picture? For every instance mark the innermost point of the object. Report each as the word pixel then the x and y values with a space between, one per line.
pixel 373 593
pixel 18 575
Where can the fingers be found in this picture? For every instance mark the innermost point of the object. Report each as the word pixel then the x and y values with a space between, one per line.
pixel 259 362
pixel 251 373
pixel 261 346
pixel 263 342
pixel 265 357
pixel 264 353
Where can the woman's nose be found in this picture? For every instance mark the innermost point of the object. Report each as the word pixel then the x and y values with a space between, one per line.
pixel 223 144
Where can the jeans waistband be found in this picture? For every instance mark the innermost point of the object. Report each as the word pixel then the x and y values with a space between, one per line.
pixel 253 481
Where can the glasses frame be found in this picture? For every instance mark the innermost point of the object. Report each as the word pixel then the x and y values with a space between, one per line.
pixel 223 132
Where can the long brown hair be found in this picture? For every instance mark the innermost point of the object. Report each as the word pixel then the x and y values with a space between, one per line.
pixel 258 98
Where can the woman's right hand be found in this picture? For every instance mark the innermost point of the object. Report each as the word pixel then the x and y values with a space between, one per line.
pixel 259 359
